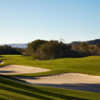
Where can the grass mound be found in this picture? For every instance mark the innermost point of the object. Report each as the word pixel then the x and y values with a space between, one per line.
pixel 87 65
pixel 15 90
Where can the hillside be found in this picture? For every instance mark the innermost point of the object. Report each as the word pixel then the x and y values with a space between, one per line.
pixel 86 65
pixel 20 45
pixel 92 42
pixel 14 90
pixel 97 41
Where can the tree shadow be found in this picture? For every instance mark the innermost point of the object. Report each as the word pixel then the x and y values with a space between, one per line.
pixel 4 72
pixel 92 87
pixel 83 87
pixel 26 77
pixel 40 93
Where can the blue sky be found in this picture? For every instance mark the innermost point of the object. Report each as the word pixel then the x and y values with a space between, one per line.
pixel 22 21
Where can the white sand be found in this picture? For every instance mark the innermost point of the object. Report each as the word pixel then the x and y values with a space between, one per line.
pixel 75 81
pixel 2 62
pixel 67 78
pixel 20 69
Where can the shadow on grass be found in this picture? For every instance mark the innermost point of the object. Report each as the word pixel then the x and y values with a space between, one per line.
pixel 39 95
pixel 34 91
pixel 83 87
pixel 4 72
pixel 2 97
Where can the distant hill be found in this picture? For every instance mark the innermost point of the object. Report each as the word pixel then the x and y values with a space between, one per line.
pixel 92 42
pixel 18 45
pixel 97 41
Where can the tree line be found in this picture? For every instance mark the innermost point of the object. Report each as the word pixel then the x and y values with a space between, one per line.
pixel 42 49
pixel 5 49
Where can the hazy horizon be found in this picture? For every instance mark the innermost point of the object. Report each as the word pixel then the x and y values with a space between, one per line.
pixel 22 21
pixel 24 43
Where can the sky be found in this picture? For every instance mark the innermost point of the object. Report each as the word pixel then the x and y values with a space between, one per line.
pixel 22 21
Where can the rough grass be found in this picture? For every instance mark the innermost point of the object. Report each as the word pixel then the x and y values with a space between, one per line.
pixel 15 90
pixel 88 65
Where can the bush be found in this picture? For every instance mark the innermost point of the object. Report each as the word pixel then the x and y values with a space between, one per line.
pixel 33 46
pixel 9 50
pixel 52 50
pixel 41 49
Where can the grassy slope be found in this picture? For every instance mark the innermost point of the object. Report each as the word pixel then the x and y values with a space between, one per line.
pixel 88 65
pixel 14 90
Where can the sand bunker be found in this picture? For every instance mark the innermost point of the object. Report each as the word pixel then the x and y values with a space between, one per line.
pixel 1 62
pixel 19 69
pixel 67 78
pixel 75 81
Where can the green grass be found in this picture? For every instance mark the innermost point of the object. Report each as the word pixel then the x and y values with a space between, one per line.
pixel 15 90
pixel 88 65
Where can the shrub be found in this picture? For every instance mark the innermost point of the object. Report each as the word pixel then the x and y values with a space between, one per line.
pixel 52 50
pixel 9 50
pixel 33 46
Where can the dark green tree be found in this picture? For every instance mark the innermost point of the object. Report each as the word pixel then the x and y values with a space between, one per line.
pixel 33 46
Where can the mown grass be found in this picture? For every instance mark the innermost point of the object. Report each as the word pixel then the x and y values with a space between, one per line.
pixel 88 65
pixel 15 90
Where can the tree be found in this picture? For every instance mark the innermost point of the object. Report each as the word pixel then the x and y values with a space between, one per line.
pixel 9 50
pixel 33 46
pixel 52 50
